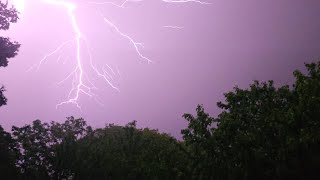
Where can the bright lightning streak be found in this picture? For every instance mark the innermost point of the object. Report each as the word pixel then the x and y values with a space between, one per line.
pixel 78 85
pixel 102 75
pixel 135 44
pixel 80 81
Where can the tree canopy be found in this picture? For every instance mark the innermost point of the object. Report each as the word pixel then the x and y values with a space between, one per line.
pixel 73 150
pixel 263 132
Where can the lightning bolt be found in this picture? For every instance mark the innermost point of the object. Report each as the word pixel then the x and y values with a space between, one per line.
pixel 81 83
pixel 78 85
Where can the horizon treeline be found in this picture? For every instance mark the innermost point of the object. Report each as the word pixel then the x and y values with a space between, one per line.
pixel 263 132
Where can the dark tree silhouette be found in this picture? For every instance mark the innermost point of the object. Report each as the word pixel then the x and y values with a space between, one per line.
pixel 47 148
pixel 3 99
pixel 8 156
pixel 72 150
pixel 8 49
pixel 116 152
pixel 264 132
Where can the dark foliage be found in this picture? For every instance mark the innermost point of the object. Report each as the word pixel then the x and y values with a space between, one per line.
pixel 7 16
pixel 8 49
pixel 45 149
pixel 8 155
pixel 3 99
pixel 264 132
pixel 74 150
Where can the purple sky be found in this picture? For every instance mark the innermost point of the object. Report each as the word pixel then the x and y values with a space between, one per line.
pixel 224 44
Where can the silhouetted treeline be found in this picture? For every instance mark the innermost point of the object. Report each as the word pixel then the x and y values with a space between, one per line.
pixel 263 132
pixel 72 150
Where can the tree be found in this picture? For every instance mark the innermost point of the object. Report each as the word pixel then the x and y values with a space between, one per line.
pixel 3 99
pixel 116 152
pixel 72 150
pixel 64 139
pixel 197 139
pixel 8 155
pixel 35 156
pixel 264 132
pixel 8 49
pixel 45 149
pixel 306 112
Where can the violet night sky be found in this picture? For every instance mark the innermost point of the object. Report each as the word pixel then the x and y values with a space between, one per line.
pixel 227 43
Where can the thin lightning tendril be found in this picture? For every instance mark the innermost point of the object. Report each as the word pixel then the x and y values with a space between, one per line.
pixel 135 44
pixel 81 82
